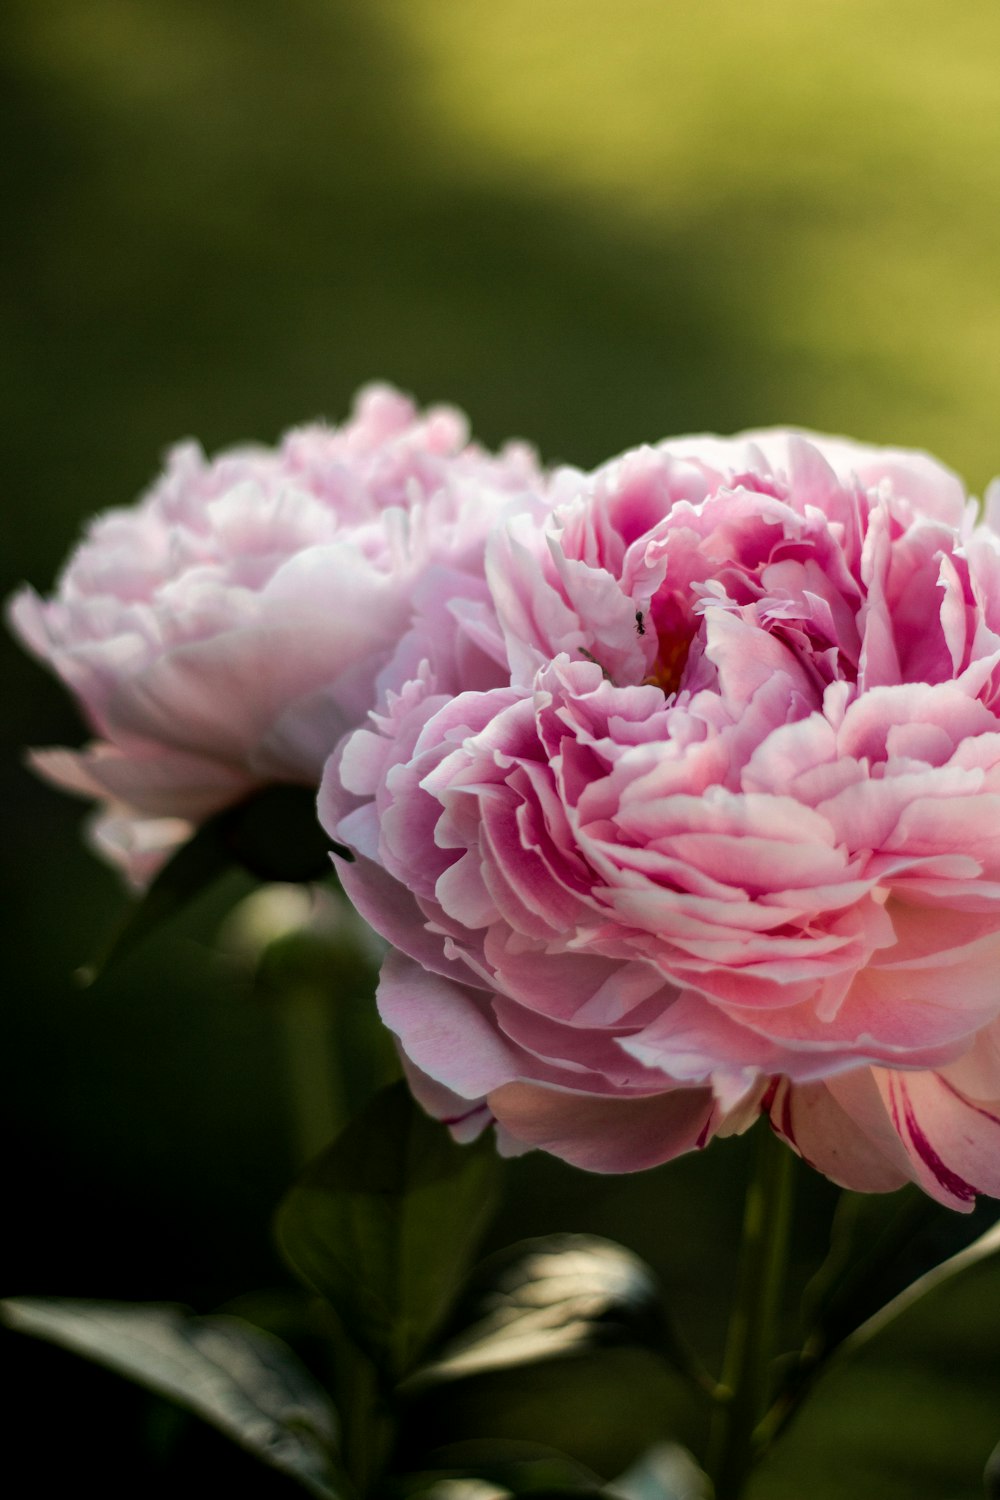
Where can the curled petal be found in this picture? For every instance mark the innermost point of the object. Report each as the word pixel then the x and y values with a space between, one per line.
pixel 727 837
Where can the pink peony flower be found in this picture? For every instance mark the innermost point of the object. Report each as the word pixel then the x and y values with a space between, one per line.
pixel 225 631
pixel 727 840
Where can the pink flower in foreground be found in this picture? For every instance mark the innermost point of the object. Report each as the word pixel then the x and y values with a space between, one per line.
pixel 727 840
pixel 224 632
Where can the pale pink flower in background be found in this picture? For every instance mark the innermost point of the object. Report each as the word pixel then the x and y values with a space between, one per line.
pixel 225 631
pixel 727 837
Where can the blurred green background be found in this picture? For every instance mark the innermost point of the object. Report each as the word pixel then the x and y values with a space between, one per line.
pixel 587 223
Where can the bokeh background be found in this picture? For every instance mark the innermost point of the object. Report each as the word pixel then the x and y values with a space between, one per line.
pixel 587 223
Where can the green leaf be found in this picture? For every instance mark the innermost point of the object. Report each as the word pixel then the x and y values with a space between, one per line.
pixel 385 1224
pixel 666 1471
pixel 239 1379
pixel 196 865
pixel 497 1468
pixel 560 1295
pixel 880 1244
pixel 274 834
pixel 602 1408
pixel 910 1405
pixel 565 1346
pixel 496 1471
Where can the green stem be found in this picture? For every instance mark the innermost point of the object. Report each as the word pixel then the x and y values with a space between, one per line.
pixel 365 1408
pixel 746 1375
pixel 367 1427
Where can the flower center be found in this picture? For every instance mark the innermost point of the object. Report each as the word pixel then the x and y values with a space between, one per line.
pixel 668 667
pixel 673 629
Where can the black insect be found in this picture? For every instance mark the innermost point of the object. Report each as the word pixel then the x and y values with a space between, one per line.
pixel 639 626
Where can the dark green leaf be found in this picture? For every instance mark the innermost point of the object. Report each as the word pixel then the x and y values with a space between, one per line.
pixel 491 1471
pixel 385 1224
pixel 531 1482
pixel 196 865
pixel 880 1244
pixel 274 834
pixel 910 1405
pixel 561 1295
pixel 244 1382
pixel 601 1408
pixel 565 1346
pixel 509 1468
